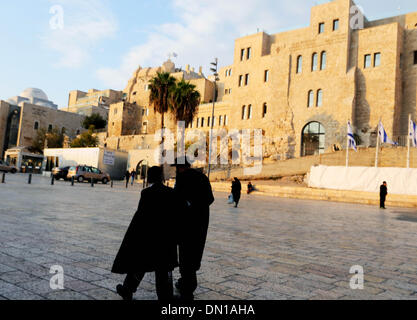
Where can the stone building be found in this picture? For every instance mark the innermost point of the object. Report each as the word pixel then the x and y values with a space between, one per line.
pixel 300 87
pixel 93 101
pixel 20 122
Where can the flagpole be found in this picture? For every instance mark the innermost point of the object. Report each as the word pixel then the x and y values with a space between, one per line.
pixel 347 146
pixel 408 141
pixel 377 146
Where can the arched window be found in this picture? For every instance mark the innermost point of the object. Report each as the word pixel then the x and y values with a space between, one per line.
pixel 243 112
pixel 314 62
pixel 313 139
pixel 310 98
pixel 323 60
pixel 50 128
pixel 319 98
pixel 36 125
pixel 300 64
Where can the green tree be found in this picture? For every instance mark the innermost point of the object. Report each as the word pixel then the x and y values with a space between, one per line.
pixel 161 87
pixel 184 101
pixel 53 138
pixel 95 120
pixel 86 140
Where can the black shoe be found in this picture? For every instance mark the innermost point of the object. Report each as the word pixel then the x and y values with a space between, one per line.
pixel 121 290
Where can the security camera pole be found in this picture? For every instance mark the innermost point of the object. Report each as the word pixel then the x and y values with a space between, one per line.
pixel 216 78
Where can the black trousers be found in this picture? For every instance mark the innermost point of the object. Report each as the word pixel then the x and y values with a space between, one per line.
pixel 382 201
pixel 163 284
pixel 187 283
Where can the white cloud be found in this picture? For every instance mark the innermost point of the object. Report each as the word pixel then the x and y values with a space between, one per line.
pixel 86 22
pixel 205 29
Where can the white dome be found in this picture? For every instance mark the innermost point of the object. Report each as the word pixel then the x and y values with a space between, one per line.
pixel 34 93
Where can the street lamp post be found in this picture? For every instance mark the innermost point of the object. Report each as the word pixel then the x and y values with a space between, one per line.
pixel 216 78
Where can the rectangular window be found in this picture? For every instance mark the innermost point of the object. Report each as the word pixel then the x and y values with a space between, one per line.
pixel 208 122
pixel 248 53
pixel 367 62
pixel 202 122
pixel 198 122
pixel 226 91
pixel 246 79
pixel 242 54
pixel 415 57
pixel 250 111
pixel 321 27
pixel 226 120
pixel 243 112
pixel 265 110
pixel 220 120
pixel 377 59
pixel 266 76
pixel 336 25
pixel 240 80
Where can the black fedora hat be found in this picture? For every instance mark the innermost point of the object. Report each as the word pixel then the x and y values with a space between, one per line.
pixel 181 162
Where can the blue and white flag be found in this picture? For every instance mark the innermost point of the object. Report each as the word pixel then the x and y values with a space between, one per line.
pixel 351 138
pixel 413 133
pixel 383 135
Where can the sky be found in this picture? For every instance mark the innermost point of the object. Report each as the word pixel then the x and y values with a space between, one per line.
pixel 64 45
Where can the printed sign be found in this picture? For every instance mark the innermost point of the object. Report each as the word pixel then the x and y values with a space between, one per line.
pixel 108 158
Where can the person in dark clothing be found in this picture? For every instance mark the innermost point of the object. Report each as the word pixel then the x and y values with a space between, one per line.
pixel 236 191
pixel 133 175
pixel 194 190
pixel 383 195
pixel 150 243
pixel 251 188
pixel 127 176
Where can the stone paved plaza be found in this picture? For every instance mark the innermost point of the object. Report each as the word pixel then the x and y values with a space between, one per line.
pixel 267 249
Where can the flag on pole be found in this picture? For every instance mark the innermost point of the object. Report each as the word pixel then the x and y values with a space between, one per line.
pixel 383 135
pixel 413 133
pixel 351 138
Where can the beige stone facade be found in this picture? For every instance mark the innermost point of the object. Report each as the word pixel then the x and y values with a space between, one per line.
pixel 93 101
pixel 301 87
pixel 19 124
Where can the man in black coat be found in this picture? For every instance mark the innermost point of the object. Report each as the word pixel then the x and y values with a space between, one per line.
pixel 150 243
pixel 383 195
pixel 236 191
pixel 194 189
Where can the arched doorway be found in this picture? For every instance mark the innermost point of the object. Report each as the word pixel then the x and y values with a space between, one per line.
pixel 313 139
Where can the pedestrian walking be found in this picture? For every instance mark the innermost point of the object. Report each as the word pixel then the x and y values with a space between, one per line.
pixel 127 177
pixel 236 191
pixel 150 243
pixel 133 175
pixel 193 188
pixel 383 195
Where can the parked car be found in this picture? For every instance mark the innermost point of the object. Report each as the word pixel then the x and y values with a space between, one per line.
pixel 5 167
pixel 60 173
pixel 87 173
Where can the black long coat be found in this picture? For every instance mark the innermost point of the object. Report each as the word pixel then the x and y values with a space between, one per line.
pixel 194 189
pixel 236 190
pixel 150 242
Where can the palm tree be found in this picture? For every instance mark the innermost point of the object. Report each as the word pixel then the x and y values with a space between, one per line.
pixel 184 101
pixel 161 87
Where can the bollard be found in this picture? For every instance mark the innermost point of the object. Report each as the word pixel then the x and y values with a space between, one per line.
pixel 52 180
pixel 111 184
pixel 3 178
pixel 30 179
pixel 72 181
pixel 92 183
